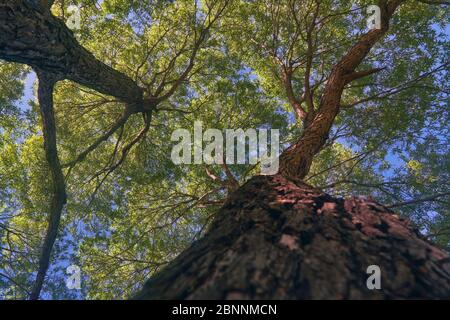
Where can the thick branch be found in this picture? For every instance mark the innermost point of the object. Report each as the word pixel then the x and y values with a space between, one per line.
pixel 361 74
pixel 39 39
pixel 296 161
pixel 435 2
pixel 58 196
pixel 296 104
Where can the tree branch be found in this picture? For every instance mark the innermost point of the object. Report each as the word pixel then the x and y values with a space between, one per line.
pixel 295 162
pixel 58 196
pixel 45 42
pixel 361 74
pixel 119 123
pixel 446 3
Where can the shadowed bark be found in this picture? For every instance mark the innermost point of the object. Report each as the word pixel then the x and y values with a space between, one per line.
pixel 58 196
pixel 30 34
pixel 276 240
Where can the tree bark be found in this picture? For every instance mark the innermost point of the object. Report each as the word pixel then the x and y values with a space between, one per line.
pixel 58 196
pixel 274 239
pixel 30 34
pixel 295 162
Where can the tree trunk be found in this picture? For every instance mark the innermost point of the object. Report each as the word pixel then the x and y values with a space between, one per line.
pixel 33 36
pixel 277 240
pixel 58 196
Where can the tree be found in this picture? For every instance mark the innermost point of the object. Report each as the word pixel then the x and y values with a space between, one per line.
pixel 163 67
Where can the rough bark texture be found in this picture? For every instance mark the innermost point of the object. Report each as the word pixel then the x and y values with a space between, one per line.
pixel 295 162
pixel 30 34
pixel 277 240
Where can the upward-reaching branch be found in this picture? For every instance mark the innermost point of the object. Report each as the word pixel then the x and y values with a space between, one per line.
pixel 296 161
pixel 58 196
